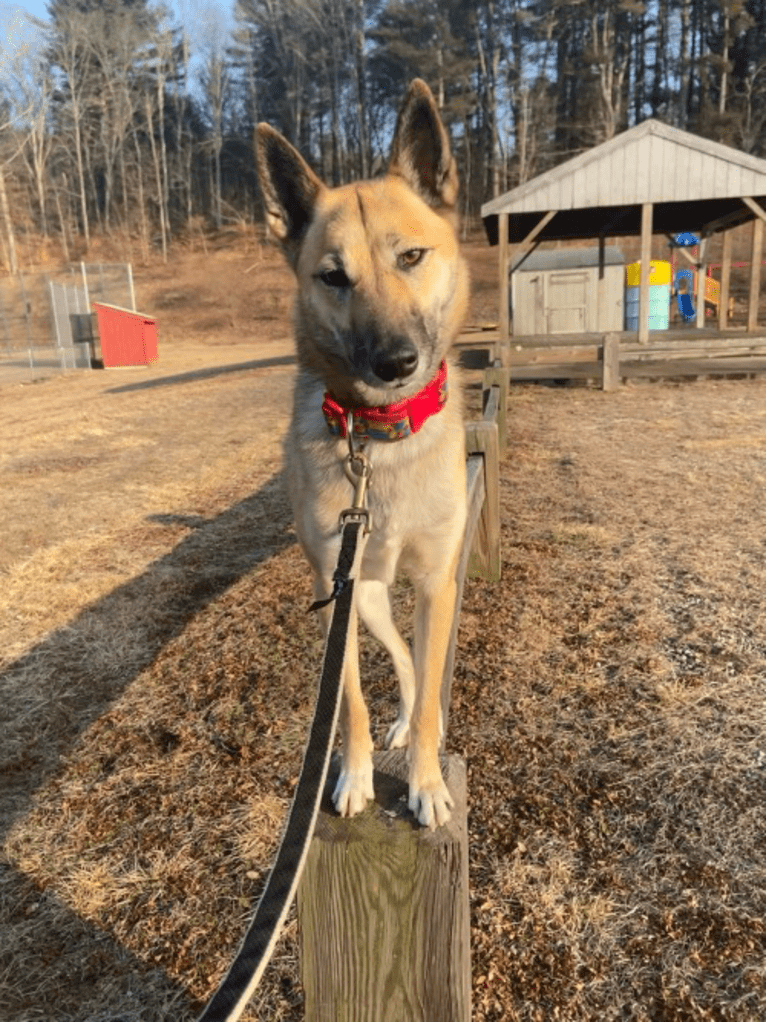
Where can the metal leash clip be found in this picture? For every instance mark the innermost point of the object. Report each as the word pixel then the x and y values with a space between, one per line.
pixel 358 472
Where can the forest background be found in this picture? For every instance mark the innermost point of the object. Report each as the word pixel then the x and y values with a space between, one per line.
pixel 131 121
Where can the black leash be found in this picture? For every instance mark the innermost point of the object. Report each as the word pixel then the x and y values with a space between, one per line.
pixel 239 984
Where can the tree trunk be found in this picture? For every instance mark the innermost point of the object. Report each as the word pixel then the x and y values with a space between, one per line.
pixel 157 177
pixel 141 196
pixel 81 175
pixel 361 87
pixel 165 193
pixel 62 224
pixel 724 60
pixel 10 238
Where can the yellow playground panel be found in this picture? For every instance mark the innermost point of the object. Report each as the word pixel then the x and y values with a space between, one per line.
pixel 659 273
pixel 712 291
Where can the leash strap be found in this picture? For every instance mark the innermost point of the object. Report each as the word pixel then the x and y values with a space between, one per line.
pixel 239 984
pixel 341 577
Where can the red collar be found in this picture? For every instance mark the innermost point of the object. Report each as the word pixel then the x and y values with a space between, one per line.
pixel 389 422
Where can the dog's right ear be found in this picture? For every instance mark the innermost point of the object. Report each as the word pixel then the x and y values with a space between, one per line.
pixel 289 187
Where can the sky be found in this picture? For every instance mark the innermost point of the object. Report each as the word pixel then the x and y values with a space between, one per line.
pixel 15 12
pixel 13 23
pixel 202 18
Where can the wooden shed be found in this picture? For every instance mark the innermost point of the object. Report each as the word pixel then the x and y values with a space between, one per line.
pixel 569 290
pixel 650 180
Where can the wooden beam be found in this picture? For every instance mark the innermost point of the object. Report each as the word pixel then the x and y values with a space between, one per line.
pixel 527 242
pixel 683 251
pixel 647 211
pixel 475 498
pixel 755 207
pixel 516 264
pixel 733 219
pixel 701 274
pixel 383 909
pixel 503 269
pixel 539 226
pixel 610 368
pixel 723 305
pixel 500 378
pixel 482 438
pixel 755 274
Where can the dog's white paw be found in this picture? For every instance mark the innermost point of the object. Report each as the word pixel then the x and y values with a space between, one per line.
pixel 353 789
pixel 431 803
pixel 398 736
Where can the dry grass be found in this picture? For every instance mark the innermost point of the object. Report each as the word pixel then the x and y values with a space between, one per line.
pixel 159 670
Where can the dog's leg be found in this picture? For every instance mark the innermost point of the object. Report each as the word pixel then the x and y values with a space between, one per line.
pixel 435 605
pixel 375 610
pixel 354 785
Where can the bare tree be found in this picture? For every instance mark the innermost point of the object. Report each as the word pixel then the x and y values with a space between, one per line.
pixel 70 53
pixel 9 236
pixel 215 82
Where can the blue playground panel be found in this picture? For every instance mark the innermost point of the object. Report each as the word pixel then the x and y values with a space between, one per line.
pixel 659 307
pixel 685 306
pixel 686 239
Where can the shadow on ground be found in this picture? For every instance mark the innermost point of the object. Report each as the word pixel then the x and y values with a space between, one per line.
pixel 204 374
pixel 62 685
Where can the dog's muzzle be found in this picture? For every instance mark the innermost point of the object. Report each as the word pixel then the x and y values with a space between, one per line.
pixel 395 362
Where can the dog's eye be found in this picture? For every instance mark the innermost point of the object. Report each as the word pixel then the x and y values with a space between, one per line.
pixel 410 258
pixel 335 278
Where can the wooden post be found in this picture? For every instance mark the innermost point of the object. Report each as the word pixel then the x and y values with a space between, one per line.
pixel 497 376
pixel 508 263
pixel 755 275
pixel 647 211
pixel 484 562
pixel 504 281
pixel 383 908
pixel 610 368
pixel 723 306
pixel 475 492
pixel 701 275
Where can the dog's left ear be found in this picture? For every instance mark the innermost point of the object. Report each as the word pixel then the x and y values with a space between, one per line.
pixel 421 152
pixel 289 187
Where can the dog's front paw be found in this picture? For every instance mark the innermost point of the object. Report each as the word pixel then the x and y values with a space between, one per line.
pixel 352 791
pixel 398 736
pixel 431 803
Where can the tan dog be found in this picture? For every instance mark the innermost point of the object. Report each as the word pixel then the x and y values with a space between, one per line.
pixel 382 292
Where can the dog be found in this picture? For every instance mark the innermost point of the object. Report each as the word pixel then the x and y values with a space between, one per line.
pixel 382 294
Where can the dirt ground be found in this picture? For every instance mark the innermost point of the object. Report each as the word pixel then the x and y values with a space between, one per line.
pixel 158 673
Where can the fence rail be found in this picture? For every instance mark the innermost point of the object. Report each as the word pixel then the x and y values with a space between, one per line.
pixel 612 357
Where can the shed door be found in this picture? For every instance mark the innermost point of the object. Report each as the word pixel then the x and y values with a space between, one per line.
pixel 567 304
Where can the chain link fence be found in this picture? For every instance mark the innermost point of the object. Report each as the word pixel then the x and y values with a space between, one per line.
pixel 44 322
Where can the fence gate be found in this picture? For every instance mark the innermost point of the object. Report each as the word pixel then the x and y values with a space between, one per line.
pixel 44 323
pixel 68 301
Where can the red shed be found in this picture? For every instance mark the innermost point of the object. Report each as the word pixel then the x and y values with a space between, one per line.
pixel 127 338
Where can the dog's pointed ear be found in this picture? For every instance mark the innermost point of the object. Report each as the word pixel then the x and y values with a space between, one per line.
pixel 421 151
pixel 289 188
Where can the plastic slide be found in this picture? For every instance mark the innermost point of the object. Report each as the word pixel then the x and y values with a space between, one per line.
pixel 685 306
pixel 684 298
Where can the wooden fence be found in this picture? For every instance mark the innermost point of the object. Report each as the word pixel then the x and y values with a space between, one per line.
pixel 383 905
pixel 612 357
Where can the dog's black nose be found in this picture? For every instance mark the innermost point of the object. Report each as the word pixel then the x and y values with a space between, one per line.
pixel 396 364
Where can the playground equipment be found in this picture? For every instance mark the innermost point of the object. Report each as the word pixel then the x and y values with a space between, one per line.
pixel 659 295
pixel 688 279
pixel 685 239
pixel 684 298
